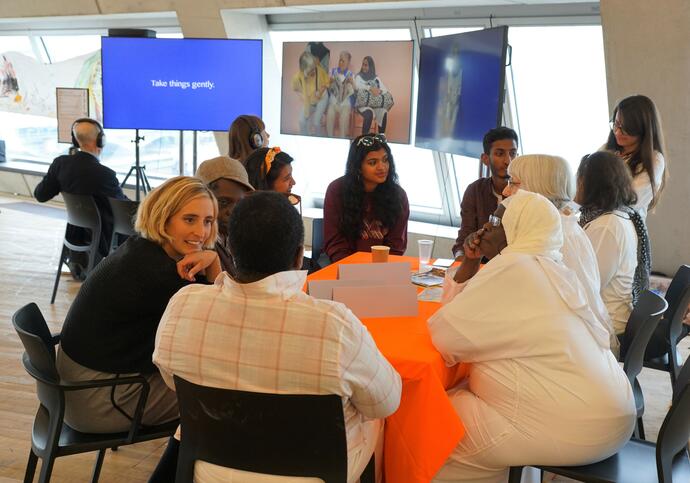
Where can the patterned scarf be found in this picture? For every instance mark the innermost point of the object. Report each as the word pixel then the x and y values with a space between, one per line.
pixel 644 256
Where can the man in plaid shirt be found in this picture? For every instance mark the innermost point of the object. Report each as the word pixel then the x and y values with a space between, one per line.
pixel 260 332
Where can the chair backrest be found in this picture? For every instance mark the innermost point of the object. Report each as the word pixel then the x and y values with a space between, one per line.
pixel 278 434
pixel 678 298
pixel 83 212
pixel 641 324
pixel 316 238
pixel 39 355
pixel 672 442
pixel 124 212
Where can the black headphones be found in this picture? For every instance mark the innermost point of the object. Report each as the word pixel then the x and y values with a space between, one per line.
pixel 100 139
pixel 256 139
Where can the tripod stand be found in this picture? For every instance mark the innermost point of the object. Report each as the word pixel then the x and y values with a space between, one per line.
pixel 139 171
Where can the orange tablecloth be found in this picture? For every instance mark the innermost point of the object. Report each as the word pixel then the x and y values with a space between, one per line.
pixel 421 434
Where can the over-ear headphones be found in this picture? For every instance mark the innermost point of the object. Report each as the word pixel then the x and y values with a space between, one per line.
pixel 100 138
pixel 256 139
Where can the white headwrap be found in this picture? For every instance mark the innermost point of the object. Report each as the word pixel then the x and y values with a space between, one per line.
pixel 533 226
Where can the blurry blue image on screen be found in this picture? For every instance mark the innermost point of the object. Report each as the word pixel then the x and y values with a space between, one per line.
pixel 461 82
pixel 188 84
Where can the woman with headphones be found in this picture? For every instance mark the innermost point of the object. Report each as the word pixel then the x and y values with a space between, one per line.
pixel 247 134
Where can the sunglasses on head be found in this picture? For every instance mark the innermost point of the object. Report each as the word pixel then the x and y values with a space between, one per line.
pixel 371 139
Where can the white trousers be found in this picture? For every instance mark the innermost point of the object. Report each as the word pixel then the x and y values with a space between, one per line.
pixel 492 445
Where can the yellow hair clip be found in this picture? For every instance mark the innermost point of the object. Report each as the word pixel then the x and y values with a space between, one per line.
pixel 270 156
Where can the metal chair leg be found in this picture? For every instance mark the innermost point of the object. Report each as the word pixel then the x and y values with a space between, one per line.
pixel 97 466
pixel 57 277
pixel 46 469
pixel 30 467
pixel 639 429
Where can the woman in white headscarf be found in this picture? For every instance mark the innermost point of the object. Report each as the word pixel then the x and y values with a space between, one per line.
pixel 543 388
pixel 550 176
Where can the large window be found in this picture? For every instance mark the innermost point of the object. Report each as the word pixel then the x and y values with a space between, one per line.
pixel 33 138
pixel 560 89
pixel 556 95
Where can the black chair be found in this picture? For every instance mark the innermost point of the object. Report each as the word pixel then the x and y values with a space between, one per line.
pixel 642 323
pixel 51 437
pixel 277 434
pixel 82 212
pixel 641 461
pixel 316 238
pixel 661 353
pixel 124 212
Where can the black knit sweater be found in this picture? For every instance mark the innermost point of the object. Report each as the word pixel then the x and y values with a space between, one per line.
pixel 111 325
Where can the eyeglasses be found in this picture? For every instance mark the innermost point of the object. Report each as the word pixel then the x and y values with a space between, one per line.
pixel 270 156
pixel 513 183
pixel 494 220
pixel 617 125
pixel 371 139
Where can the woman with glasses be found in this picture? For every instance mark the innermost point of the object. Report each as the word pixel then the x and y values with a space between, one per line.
pixel 636 137
pixel 543 387
pixel 367 206
pixel 617 232
pixel 550 176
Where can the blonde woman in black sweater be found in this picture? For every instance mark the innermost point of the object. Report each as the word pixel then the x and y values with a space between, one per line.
pixel 110 328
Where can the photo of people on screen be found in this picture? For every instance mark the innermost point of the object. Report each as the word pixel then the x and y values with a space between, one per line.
pixel 311 84
pixel 345 89
pixel 373 98
pixel 340 97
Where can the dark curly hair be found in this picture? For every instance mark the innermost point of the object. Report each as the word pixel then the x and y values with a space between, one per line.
pixel 604 182
pixel 387 197
pixel 265 235
pixel 256 168
pixel 640 118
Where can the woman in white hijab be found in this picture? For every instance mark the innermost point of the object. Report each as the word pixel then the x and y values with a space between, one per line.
pixel 543 388
pixel 550 176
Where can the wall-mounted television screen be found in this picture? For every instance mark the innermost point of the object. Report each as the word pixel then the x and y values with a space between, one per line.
pixel 344 89
pixel 186 84
pixel 461 84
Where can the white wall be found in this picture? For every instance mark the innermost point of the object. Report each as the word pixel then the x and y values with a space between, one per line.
pixel 647 48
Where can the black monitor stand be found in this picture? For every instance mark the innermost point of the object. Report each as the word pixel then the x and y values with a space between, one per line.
pixel 142 182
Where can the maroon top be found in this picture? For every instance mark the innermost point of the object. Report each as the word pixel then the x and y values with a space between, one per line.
pixel 337 245
pixel 478 202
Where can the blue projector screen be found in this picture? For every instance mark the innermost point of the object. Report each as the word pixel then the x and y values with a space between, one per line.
pixel 461 82
pixel 188 84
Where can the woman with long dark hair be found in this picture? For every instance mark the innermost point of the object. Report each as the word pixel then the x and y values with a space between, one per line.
pixel 617 232
pixel 270 169
pixel 367 206
pixel 636 137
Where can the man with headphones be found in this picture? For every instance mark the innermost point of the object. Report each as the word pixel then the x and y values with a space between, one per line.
pixel 81 173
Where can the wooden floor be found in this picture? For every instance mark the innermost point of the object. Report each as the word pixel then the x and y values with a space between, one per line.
pixel 29 248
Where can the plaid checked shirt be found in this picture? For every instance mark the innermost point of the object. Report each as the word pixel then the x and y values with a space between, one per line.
pixel 269 336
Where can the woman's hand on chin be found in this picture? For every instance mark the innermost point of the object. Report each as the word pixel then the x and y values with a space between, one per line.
pixel 195 262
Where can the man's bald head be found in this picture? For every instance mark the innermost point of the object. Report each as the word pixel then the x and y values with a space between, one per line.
pixel 87 136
